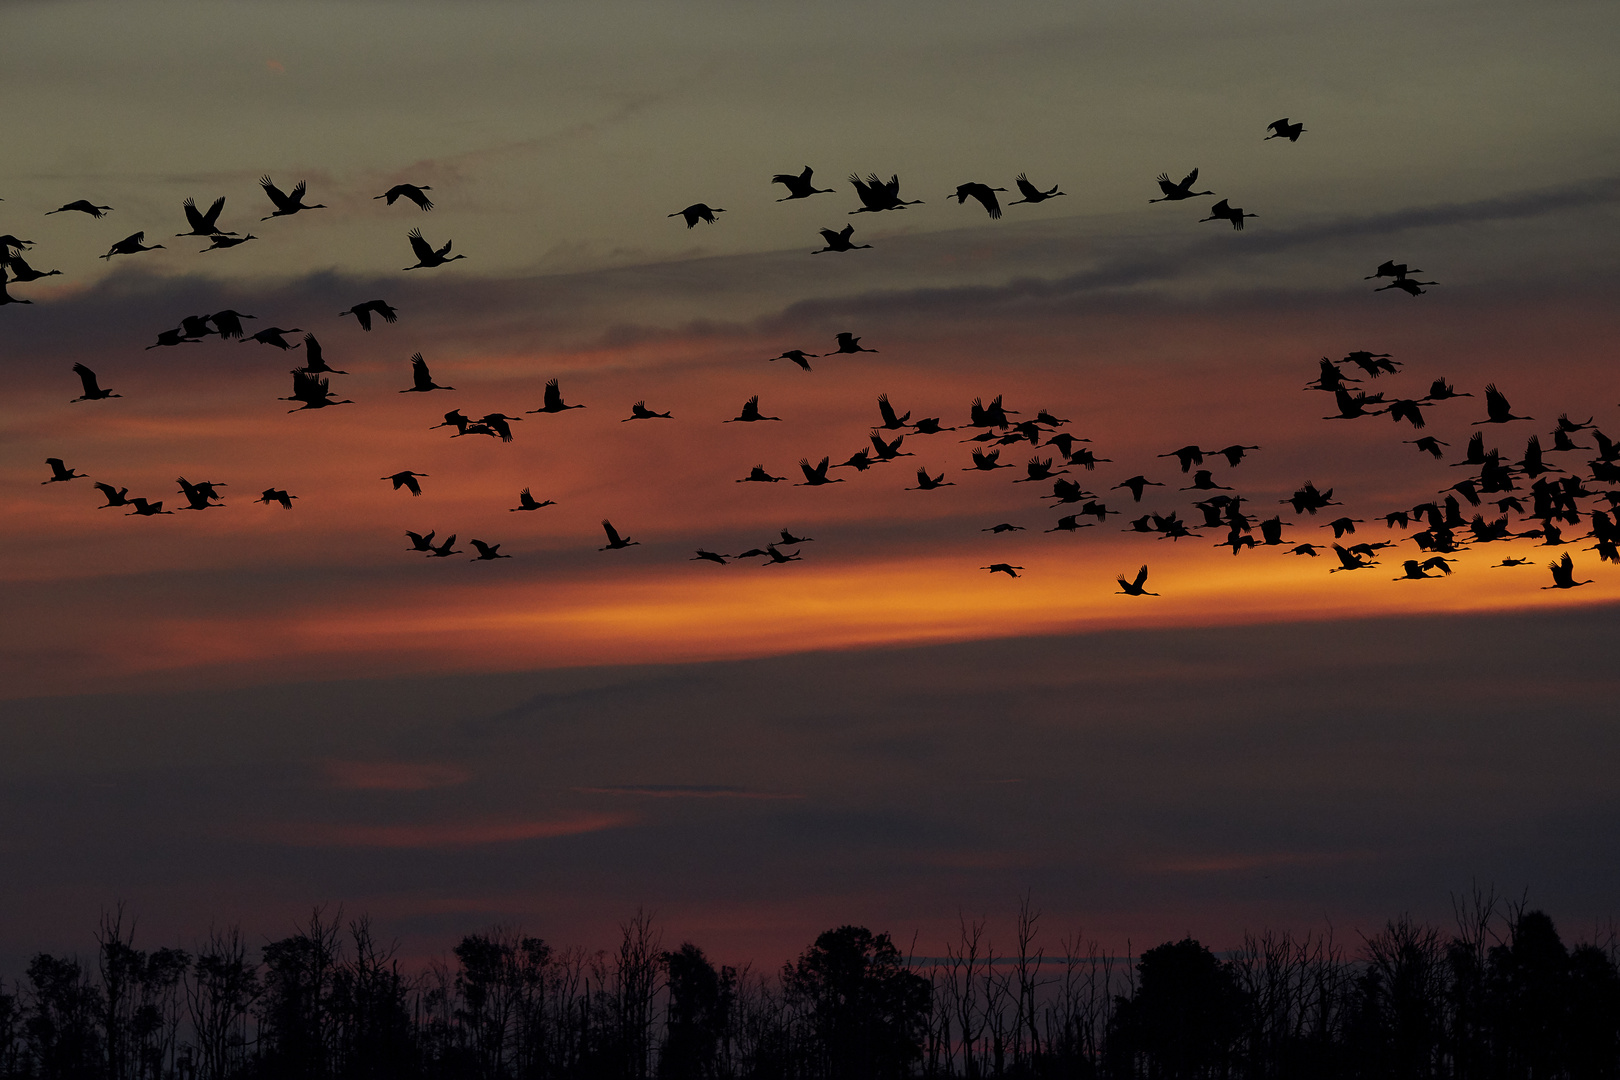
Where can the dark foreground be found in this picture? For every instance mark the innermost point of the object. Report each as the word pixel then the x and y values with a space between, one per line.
pixel 1498 995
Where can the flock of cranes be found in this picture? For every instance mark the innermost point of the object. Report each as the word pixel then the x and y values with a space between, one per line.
pixel 1560 500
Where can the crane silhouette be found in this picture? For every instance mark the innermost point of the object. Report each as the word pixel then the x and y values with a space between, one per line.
pixel 1224 211
pixel 421 379
pixel 420 542
pixel 698 212
pixel 1410 286
pixel 1002 568
pixel 1349 560
pixel 984 194
pixel 171 337
pixel 798 356
pixel 992 415
pixel 1137 587
pixel 1570 427
pixel 1391 268
pixel 839 241
pixel 1352 407
pixel 497 424
pixel 204 224
pixel 312 390
pixel 143 508
pixel 114 496
pixel 1409 410
pixel 1430 445
pixel 315 359
pixel 1031 193
pixel 21 272
pixel 1135 485
pixel 426 256
pixel 891 422
pixel 929 483
pixel 816 476
pixel 1234 453
pixel 799 185
pixel 615 542
pixel 711 556
pixel 1204 480
pixel 553 400
pixel 1282 129
pixel 130 245
pixel 60 472
pixel 758 475
pixel 639 411
pixel 1177 192
pixel 198 496
pixel 526 501
pixel 83 206
pixel 750 413
pixel 1440 390
pixel 879 195
pixel 406 479
pixel 444 550
pixel 286 203
pixel 1374 364
pixel 1066 491
pixel 273 335
pixel 1497 409
pixel 887 451
pixel 412 192
pixel 277 495
pixel 849 343
pixel 229 323
pixel 1038 469
pixel 487 552
pixel 1188 456
pixel 1271 531
pixel 92 387
pixel 364 312
pixel 1563 574
pixel 221 242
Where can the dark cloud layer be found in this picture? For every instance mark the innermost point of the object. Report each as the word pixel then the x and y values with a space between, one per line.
pixel 1217 778
pixel 1032 270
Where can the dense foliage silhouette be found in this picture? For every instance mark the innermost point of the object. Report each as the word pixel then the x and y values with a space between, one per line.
pixel 1498 997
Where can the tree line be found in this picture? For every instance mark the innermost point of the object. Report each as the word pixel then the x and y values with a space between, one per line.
pixel 1496 996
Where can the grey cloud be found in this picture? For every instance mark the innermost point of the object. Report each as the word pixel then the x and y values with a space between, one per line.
pixel 1351 762
pixel 1058 266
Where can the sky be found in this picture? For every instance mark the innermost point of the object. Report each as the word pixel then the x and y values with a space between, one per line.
pixel 232 714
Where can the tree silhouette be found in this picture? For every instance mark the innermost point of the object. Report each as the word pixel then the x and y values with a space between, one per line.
pixel 60 1026
pixel 1594 1014
pixel 1184 1018
pixel 220 992
pixel 12 1050
pixel 697 1014
pixel 866 1011
pixel 1500 998
pixel 296 1012
pixel 1400 999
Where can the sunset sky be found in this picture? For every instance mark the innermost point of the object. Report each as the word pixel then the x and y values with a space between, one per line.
pixel 231 715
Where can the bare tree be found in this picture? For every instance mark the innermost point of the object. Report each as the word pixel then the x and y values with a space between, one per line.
pixel 220 992
pixel 962 965
pixel 1026 969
